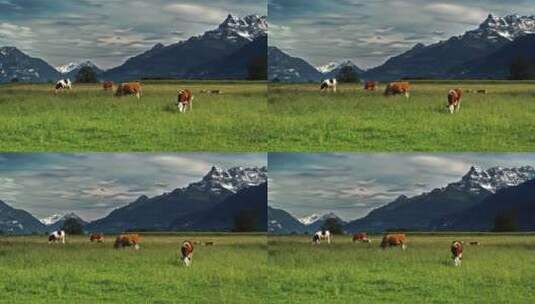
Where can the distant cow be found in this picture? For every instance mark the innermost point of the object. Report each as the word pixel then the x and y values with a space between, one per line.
pixel 187 252
pixel 107 85
pixel 457 252
pixel 184 100
pixel 208 243
pixel 96 237
pixel 370 85
pixel 392 240
pixel 321 235
pixel 475 243
pixel 57 236
pixel 129 88
pixel 329 85
pixel 62 84
pixel 361 237
pixel 454 100
pixel 212 92
pixel 127 240
pixel 398 88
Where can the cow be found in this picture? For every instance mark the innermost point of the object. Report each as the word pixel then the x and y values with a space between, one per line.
pixel 370 85
pixel 208 243
pixel 329 84
pixel 361 237
pixel 127 240
pixel 96 237
pixel 321 235
pixel 475 243
pixel 391 240
pixel 129 88
pixel 62 84
pixel 454 100
pixel 107 85
pixel 187 252
pixel 184 100
pixel 457 252
pixel 56 236
pixel 398 88
pixel 212 92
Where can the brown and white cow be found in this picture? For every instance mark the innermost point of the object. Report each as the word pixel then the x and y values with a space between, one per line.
pixel 398 88
pixel 96 237
pixel 454 100
pixel 127 240
pixel 184 100
pixel 457 252
pixel 108 85
pixel 62 84
pixel 393 240
pixel 187 252
pixel 329 85
pixel 370 85
pixel 56 236
pixel 129 88
pixel 361 237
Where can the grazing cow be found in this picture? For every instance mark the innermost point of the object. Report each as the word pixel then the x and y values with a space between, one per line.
pixel 187 252
pixel 329 84
pixel 457 252
pixel 107 85
pixel 184 100
pixel 321 235
pixel 208 243
pixel 390 240
pixel 62 84
pixel 361 237
pixel 57 236
pixel 127 240
pixel 129 88
pixel 475 243
pixel 212 92
pixel 96 237
pixel 370 85
pixel 398 88
pixel 454 100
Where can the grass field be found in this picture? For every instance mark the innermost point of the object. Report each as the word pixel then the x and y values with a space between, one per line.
pixel 500 270
pixel 232 271
pixel 303 119
pixel 33 119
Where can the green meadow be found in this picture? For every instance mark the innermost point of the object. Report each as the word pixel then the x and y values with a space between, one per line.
pixel 303 119
pixel 500 270
pixel 233 270
pixel 34 119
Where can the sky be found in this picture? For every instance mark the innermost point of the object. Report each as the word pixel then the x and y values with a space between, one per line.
pixel 351 185
pixel 370 31
pixel 93 184
pixel 108 32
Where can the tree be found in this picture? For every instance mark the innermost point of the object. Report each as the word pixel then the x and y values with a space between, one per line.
pixel 257 69
pixel 522 69
pixel 14 80
pixel 505 222
pixel 245 221
pixel 348 74
pixel 72 226
pixel 86 75
pixel 333 225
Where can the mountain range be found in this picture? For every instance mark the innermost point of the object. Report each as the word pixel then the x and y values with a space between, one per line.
pixel 470 204
pixel 227 52
pixel 482 53
pixel 221 200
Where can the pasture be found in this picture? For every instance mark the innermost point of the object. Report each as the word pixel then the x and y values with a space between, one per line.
pixel 233 270
pixel 34 119
pixel 303 119
pixel 500 270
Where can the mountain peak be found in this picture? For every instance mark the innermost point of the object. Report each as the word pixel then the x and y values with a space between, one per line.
pixel 233 28
pixel 509 27
pixel 233 179
pixel 495 178
pixel 73 66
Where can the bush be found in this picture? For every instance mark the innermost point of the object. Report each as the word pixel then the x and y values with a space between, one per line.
pixel 86 75
pixel 333 225
pixel 348 74
pixel 72 226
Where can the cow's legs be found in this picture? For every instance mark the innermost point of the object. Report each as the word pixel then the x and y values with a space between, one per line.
pixel 459 106
pixel 452 108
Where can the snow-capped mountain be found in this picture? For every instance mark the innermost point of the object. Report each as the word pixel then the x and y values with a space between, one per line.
pixel 334 72
pixel 51 219
pixel 285 68
pixel 326 68
pixel 509 27
pixel 307 220
pixel 494 179
pixel 249 27
pixel 282 222
pixel 233 179
pixel 17 66
pixel 56 221
pixel 76 66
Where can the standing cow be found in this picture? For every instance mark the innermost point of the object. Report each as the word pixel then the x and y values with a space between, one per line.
pixel 457 252
pixel 184 100
pixel 107 85
pixel 62 84
pixel 329 85
pixel 187 252
pixel 454 100
pixel 370 85
pixel 57 236
pixel 127 240
pixel 394 240
pixel 398 88
pixel 129 88
pixel 96 237
pixel 321 235
pixel 361 237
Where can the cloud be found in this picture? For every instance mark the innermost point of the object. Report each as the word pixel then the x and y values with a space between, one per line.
pixel 457 13
pixel 196 13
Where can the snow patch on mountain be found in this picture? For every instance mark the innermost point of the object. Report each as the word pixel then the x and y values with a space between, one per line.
pixel 314 218
pixel 494 179
pixel 233 179
pixel 329 67
pixel 72 66
pixel 509 27
pixel 249 27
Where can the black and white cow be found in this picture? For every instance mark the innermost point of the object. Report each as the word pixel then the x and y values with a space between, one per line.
pixel 329 85
pixel 63 84
pixel 57 236
pixel 321 235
